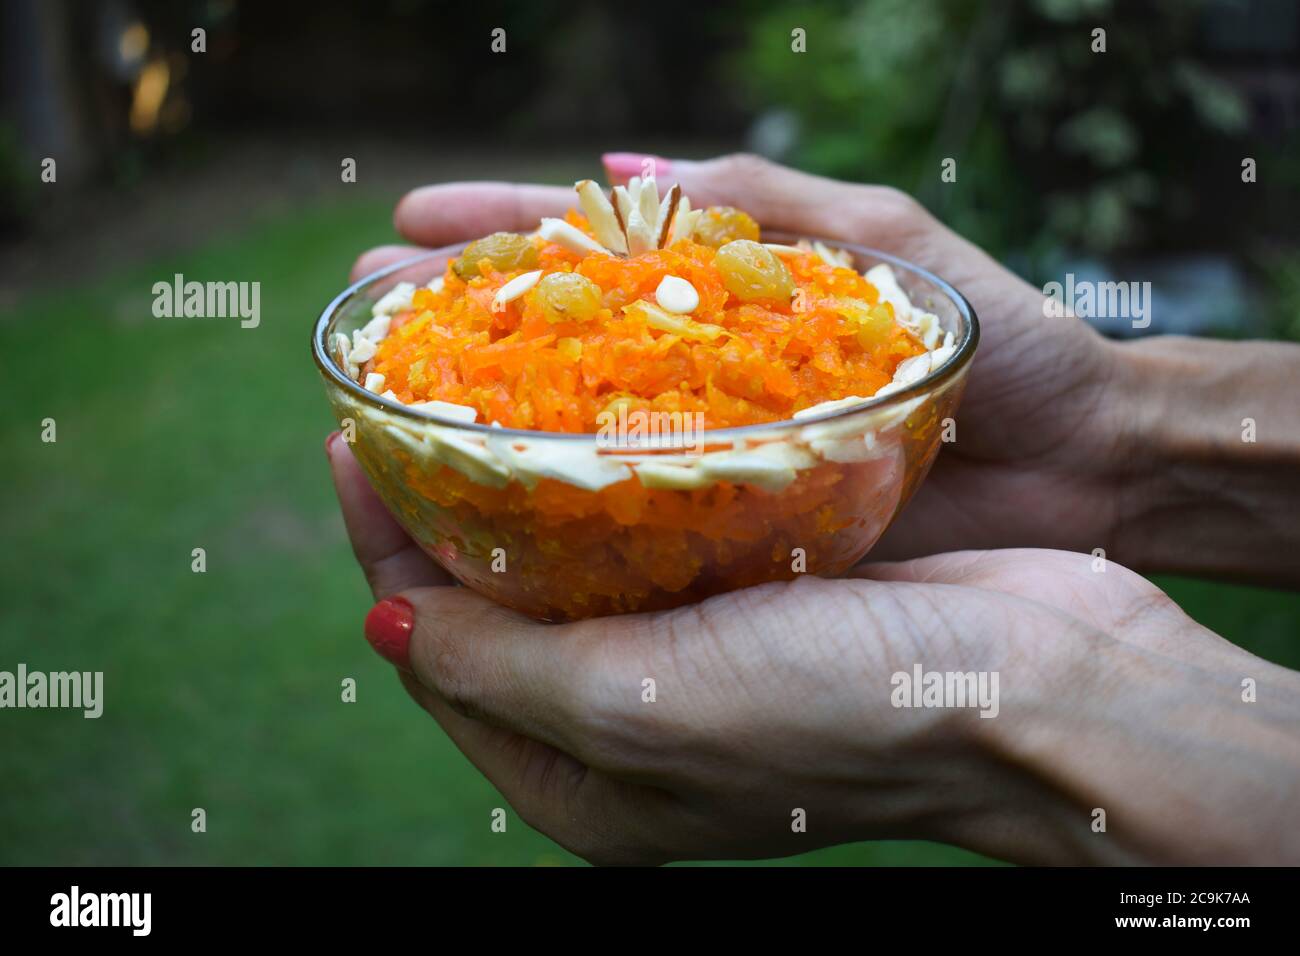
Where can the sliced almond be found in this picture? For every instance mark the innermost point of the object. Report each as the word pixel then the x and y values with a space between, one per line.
pixel 600 213
pixel 363 349
pixel 469 457
pixel 375 383
pixel 642 220
pixel 657 318
pixel 397 299
pixel 642 217
pixel 833 430
pixel 783 250
pixel 675 294
pixel 460 413
pixel 943 352
pixel 626 198
pixel 847 450
pixel 571 237
pixel 343 352
pixel 667 210
pixel 415 445
pixel 619 215
pixel 925 326
pixel 647 201
pixel 832 406
pixel 912 370
pixel 575 463
pixel 640 234
pixel 748 467
pixel 654 474
pixel 833 257
pixel 884 419
pixel 683 222
pixel 514 289
pixel 786 453
pixel 883 278
pixel 623 201
pixel 376 330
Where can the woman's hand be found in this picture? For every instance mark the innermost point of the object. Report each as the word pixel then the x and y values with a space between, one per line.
pixel 712 731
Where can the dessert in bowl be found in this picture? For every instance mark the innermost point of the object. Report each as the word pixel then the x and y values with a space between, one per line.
pixel 644 404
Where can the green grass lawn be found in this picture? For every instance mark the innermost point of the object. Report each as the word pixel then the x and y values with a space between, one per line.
pixel 223 689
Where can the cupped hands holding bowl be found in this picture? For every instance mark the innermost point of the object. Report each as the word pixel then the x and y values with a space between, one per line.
pixel 767 720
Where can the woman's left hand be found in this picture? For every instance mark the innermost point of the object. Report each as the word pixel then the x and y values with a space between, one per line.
pixel 765 722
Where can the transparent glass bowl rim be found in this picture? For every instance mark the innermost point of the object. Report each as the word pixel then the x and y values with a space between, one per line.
pixel 936 377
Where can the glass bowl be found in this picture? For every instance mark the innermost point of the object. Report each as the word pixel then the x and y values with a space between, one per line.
pixel 602 527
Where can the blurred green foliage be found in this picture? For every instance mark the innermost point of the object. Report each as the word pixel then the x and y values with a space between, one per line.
pixel 1058 148
pixel 1281 276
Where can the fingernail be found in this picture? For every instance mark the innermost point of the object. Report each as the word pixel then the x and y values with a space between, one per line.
pixel 620 167
pixel 388 629
pixel 329 442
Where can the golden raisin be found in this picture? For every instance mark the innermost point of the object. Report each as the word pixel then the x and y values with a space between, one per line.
pixel 753 273
pixel 568 297
pixel 506 251
pixel 720 225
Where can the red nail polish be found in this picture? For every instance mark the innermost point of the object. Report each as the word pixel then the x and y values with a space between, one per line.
pixel 388 629
pixel 620 167
pixel 329 442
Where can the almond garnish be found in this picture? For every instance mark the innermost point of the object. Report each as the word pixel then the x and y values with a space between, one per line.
pixel 783 250
pixel 683 225
pixel 600 213
pixel 667 210
pixel 363 349
pixel 634 219
pixel 677 295
pixel 664 321
pixel 514 289
pixel 571 237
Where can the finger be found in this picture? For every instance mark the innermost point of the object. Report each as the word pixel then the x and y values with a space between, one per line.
pixel 1065 580
pixel 602 820
pixel 452 212
pixel 375 259
pixel 538 780
pixel 391 561
pixel 620 167
pixel 496 665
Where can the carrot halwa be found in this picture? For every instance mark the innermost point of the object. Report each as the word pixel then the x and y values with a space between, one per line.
pixel 530 365
pixel 641 306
